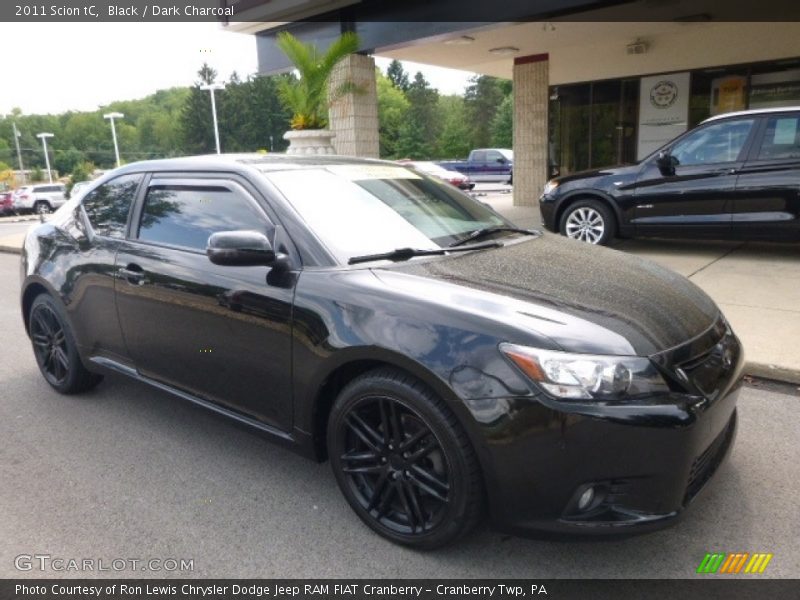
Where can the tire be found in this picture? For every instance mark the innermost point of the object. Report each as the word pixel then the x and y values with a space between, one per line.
pixel 55 350
pixel 42 208
pixel 423 492
pixel 590 221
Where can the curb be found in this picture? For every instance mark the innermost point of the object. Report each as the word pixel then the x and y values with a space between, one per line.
pixel 774 372
pixel 10 249
pixel 18 219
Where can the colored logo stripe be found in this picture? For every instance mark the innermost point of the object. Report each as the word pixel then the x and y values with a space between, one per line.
pixel 721 562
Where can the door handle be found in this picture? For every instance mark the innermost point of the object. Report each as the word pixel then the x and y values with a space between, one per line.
pixel 133 274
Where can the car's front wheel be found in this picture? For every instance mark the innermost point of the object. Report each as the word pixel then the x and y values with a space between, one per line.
pixel 402 460
pixel 55 349
pixel 588 221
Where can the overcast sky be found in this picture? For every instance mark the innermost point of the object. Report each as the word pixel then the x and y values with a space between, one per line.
pixel 54 67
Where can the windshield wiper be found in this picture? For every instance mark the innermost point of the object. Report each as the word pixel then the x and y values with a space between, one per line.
pixel 400 254
pixel 479 233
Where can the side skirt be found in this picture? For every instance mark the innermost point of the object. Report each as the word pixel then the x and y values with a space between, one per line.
pixel 298 441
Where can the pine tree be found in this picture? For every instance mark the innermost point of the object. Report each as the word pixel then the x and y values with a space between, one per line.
pixel 196 121
pixel 420 131
pixel 398 76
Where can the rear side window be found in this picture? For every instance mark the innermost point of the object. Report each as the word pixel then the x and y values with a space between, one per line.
pixel 479 156
pixel 781 138
pixel 186 215
pixel 107 206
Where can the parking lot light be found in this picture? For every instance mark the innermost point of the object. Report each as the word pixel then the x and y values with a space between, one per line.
pixel 111 116
pixel 211 87
pixel 43 137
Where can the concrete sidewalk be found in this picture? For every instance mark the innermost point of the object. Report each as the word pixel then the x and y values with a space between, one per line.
pixel 757 286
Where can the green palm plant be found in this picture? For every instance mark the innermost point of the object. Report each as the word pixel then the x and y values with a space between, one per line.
pixel 307 96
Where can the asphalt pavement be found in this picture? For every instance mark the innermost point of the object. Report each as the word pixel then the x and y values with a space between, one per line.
pixel 128 472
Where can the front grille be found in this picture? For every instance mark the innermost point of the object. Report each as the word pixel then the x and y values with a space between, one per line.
pixel 709 371
pixel 705 465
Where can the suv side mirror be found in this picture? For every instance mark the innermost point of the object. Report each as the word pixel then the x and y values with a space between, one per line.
pixel 666 163
pixel 242 249
pixel 501 160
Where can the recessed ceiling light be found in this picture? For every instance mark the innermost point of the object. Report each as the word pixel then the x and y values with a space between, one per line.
pixel 461 40
pixel 504 50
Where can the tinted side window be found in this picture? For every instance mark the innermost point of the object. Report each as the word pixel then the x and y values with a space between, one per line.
pixel 479 156
pixel 107 206
pixel 186 215
pixel 716 143
pixel 781 138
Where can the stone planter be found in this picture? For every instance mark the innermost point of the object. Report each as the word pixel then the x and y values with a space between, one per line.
pixel 309 141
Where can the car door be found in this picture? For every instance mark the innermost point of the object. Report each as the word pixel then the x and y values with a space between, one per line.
pixel 477 166
pixel 694 195
pixel 221 333
pixel 767 201
pixel 496 166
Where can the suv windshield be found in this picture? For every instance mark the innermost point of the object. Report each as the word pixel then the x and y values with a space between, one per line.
pixel 365 209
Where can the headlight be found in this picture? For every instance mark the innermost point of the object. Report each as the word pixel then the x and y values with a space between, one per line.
pixel 550 186
pixel 587 376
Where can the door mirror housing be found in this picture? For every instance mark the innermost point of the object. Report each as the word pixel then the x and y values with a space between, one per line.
pixel 666 163
pixel 242 249
pixel 501 160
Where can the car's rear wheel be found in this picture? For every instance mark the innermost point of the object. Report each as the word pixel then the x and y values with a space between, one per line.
pixel 42 208
pixel 402 460
pixel 55 349
pixel 588 221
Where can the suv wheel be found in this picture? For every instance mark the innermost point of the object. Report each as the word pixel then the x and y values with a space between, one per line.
pixel 588 221
pixel 402 460
pixel 55 349
pixel 42 208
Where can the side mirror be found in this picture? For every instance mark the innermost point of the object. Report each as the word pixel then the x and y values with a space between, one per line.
pixel 501 160
pixel 666 163
pixel 242 249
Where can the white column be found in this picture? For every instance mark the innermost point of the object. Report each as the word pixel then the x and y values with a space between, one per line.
pixel 531 95
pixel 354 117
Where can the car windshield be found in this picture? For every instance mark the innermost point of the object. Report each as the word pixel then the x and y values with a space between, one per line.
pixel 363 209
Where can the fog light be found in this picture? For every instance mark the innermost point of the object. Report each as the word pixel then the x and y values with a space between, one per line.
pixel 586 499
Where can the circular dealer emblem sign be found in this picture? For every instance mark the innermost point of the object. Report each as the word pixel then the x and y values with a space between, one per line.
pixel 663 94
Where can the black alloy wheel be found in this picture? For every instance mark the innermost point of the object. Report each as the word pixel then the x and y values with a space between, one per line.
pixel 402 461
pixel 55 350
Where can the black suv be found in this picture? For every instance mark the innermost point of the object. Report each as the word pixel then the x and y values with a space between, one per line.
pixel 734 175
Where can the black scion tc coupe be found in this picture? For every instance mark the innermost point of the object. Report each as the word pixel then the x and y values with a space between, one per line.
pixel 447 363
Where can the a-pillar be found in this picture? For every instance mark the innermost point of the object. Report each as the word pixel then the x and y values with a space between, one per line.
pixel 353 117
pixel 531 95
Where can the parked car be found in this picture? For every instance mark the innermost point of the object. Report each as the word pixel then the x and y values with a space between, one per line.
pixel 734 176
pixel 6 204
pixel 42 198
pixel 455 178
pixel 78 188
pixel 443 360
pixel 484 165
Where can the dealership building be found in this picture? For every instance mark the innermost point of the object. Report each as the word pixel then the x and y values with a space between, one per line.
pixel 595 82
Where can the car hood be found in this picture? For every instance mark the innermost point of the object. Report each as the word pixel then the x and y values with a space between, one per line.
pixel 583 298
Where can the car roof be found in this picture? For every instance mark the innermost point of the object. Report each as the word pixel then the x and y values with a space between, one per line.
pixel 755 112
pixel 261 162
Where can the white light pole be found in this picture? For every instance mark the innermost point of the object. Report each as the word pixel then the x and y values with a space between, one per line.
pixel 211 87
pixel 17 135
pixel 111 116
pixel 43 137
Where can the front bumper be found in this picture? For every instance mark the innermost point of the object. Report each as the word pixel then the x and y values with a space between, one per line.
pixel 645 462
pixel 547 208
